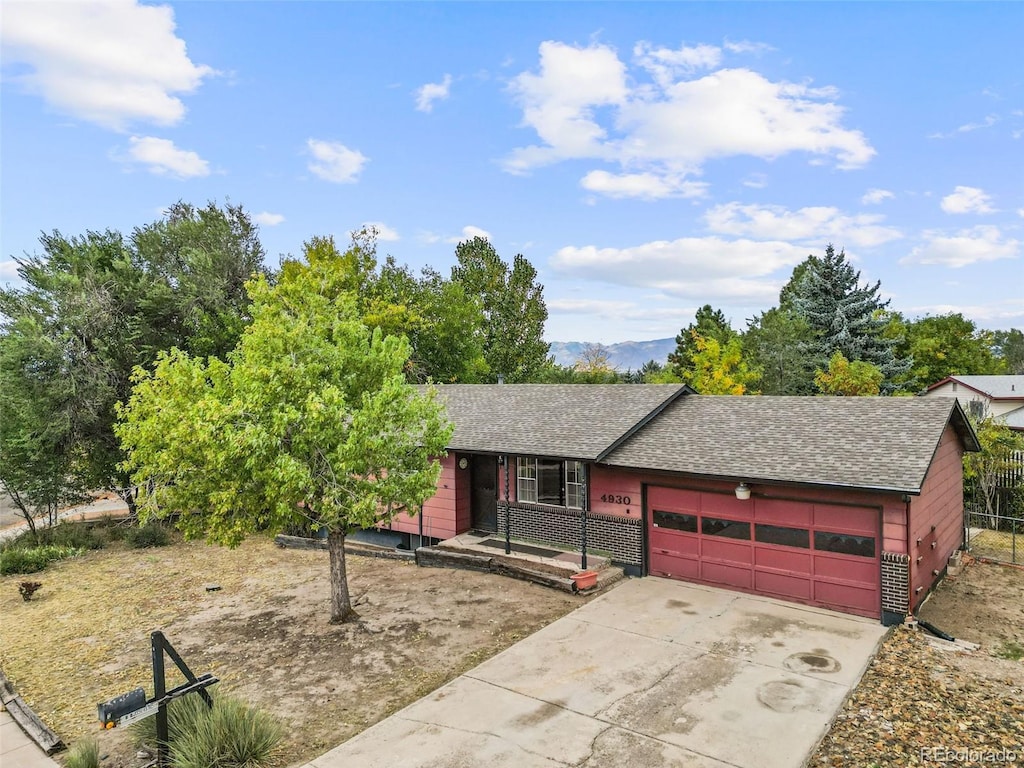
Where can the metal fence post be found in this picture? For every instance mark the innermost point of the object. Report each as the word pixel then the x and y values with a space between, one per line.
pixel 159 690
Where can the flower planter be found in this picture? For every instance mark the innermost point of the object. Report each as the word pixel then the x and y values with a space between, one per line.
pixel 585 579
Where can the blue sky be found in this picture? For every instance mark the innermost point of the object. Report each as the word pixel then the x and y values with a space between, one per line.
pixel 646 158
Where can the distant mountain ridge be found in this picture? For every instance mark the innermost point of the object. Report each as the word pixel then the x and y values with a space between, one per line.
pixel 624 356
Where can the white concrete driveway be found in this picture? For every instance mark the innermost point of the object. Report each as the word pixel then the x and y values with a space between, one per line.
pixel 654 673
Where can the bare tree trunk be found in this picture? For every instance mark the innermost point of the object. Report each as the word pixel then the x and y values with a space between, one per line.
pixel 341 603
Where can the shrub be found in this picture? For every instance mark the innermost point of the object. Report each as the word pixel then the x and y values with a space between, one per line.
pixel 34 559
pixel 28 588
pixel 72 534
pixel 148 535
pixel 84 754
pixel 230 735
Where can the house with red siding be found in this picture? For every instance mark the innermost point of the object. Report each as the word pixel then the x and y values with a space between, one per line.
pixel 852 504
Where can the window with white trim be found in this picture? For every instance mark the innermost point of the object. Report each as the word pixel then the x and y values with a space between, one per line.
pixel 550 481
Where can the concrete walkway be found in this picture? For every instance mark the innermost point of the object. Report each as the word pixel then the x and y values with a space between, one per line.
pixel 654 673
pixel 17 750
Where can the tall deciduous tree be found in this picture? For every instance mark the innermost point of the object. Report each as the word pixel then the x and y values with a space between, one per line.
pixel 775 343
pixel 852 379
pixel 310 419
pixel 40 470
pixel 512 302
pixel 708 324
pixel 846 316
pixel 1010 348
pixel 94 307
pixel 717 368
pixel 946 345
pixel 1000 454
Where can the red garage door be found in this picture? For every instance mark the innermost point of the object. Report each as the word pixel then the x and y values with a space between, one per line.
pixel 815 553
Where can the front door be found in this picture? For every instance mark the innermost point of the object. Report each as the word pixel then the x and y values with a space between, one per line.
pixel 484 479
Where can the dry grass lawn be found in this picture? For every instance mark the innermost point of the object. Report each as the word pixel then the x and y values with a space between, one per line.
pixel 84 638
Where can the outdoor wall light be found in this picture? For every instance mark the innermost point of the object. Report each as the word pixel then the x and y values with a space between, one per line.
pixel 742 491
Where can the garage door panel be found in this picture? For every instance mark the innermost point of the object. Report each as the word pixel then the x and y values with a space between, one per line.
pixel 859 570
pixel 851 519
pixel 673 499
pixel 860 599
pixel 784 512
pixel 786 585
pixel 783 560
pixel 818 553
pixel 724 549
pixel 674 542
pixel 669 564
pixel 724 573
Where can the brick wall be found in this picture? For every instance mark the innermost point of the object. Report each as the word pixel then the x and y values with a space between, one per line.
pixel 623 537
pixel 895 584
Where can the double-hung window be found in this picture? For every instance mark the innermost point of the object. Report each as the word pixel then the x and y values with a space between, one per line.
pixel 550 481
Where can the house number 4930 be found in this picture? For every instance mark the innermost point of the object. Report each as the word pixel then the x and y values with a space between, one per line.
pixel 609 498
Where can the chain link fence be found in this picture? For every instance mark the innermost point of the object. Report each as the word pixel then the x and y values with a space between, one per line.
pixel 996 532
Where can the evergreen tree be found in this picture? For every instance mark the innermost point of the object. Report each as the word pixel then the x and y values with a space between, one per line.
pixel 708 323
pixel 846 316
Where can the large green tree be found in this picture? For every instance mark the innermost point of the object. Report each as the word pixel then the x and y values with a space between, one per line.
pixel 95 306
pixel 845 316
pixel 775 343
pixel 1010 348
pixel 310 420
pixel 708 324
pixel 443 324
pixel 945 345
pixel 514 312
pixel 718 368
pixel 40 469
pixel 852 379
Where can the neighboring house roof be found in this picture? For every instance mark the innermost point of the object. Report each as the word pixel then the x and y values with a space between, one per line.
pixel 1014 419
pixel 1006 387
pixel 568 421
pixel 877 443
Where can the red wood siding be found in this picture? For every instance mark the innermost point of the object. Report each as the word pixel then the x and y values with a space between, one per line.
pixel 621 493
pixel 936 516
pixel 446 513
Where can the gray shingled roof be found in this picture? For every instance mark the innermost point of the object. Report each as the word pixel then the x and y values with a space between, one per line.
pixel 995 386
pixel 569 421
pixel 880 443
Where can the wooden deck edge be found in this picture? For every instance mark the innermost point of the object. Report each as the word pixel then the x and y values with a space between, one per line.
pixel 28 720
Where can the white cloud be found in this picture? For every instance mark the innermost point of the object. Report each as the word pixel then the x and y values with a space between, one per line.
pixel 650 186
pixel 988 122
pixel 817 224
pixel 756 181
pixel 747 46
pixel 468 233
pixel 267 219
pixel 385 234
pixel 876 196
pixel 1020 212
pixel 968 246
pixel 588 306
pixel 584 104
pixel 967 200
pixel 8 269
pixel 110 63
pixel 703 268
pixel 666 65
pixel 162 158
pixel 333 161
pixel 428 93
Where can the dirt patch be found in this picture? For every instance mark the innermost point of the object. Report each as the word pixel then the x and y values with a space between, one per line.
pixel 921 703
pixel 264 633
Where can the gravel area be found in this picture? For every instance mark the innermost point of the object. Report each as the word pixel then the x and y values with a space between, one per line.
pixel 924 702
